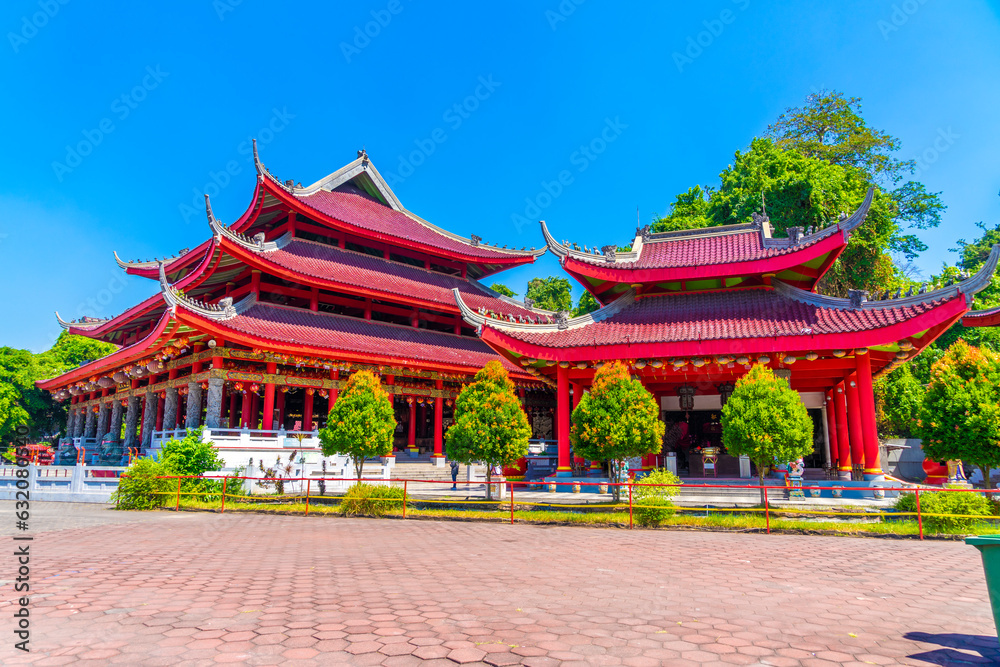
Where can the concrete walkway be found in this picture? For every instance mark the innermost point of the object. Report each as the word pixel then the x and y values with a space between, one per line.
pixel 191 589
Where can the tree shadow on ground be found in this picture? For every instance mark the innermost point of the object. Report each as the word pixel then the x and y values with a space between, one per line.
pixel 986 646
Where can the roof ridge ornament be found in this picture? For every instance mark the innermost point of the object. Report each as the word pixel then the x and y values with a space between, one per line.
pixel 225 309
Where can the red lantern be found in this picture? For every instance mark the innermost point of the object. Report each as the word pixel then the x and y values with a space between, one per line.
pixel 310 391
pixel 254 388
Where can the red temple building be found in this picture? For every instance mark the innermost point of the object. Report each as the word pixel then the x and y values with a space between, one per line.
pixel 259 326
pixel 692 310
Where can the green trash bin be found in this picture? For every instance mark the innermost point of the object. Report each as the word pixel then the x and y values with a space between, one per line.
pixel 989 547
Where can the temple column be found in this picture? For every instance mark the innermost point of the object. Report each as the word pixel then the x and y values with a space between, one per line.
pixel 254 410
pixel 307 411
pixel 161 404
pixel 411 435
pixel 438 456
pixel 854 423
pixel 577 395
pixel 149 419
pixel 268 418
pixel 213 403
pixel 117 414
pixel 562 421
pixel 193 405
pixel 869 429
pixel 843 432
pixel 102 420
pixel 70 421
pixel 79 422
pixel 831 430
pixel 90 427
pixel 232 410
pixel 422 419
pixel 334 392
pixel 131 422
pixel 245 409
pixel 279 402
pixel 170 409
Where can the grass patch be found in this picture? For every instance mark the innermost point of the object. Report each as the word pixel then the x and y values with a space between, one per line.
pixel 744 520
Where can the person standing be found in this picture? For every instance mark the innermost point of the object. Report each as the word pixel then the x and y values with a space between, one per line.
pixel 454 475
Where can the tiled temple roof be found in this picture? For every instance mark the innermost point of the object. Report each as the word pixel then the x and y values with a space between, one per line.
pixel 733 314
pixel 339 196
pixel 312 259
pixel 281 324
pixel 708 245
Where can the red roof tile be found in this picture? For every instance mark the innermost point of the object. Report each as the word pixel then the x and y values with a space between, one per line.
pixel 733 314
pixel 723 249
pixel 356 208
pixel 351 335
pixel 322 261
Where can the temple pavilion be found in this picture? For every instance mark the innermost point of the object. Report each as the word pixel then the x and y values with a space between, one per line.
pixel 259 326
pixel 692 310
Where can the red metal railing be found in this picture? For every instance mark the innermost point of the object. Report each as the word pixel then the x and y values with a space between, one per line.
pixel 511 485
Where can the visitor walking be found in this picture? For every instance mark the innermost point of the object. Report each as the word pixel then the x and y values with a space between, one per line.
pixel 454 475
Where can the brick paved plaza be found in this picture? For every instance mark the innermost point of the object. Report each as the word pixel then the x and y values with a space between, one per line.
pixel 197 589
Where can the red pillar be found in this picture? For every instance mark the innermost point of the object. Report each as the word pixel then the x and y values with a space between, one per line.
pixel 314 299
pixel 854 420
pixel 254 410
pixel 279 401
pixel 843 434
pixel 268 417
pixel 439 423
pixel 232 409
pixel 255 281
pixel 577 395
pixel 831 426
pixel 245 410
pixel 869 429
pixel 411 436
pixel 562 420
pixel 334 375
pixel 159 412
pixel 307 412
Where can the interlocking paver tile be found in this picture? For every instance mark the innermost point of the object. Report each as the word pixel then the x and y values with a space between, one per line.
pixel 159 588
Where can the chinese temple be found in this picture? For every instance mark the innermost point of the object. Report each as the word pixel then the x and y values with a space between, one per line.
pixel 259 326
pixel 692 310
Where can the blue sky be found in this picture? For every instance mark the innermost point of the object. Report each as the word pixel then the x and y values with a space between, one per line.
pixel 118 118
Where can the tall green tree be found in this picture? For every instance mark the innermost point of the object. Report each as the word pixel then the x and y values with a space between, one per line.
pixel 550 293
pixel 960 418
pixel 490 425
pixel 617 419
pixel 899 399
pixel 500 288
pixel 586 304
pixel 361 422
pixel 689 211
pixel 830 127
pixel 766 420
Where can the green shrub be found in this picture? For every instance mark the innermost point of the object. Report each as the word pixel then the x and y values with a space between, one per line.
pixel 189 455
pixel 651 504
pixel 937 502
pixel 138 488
pixel 371 500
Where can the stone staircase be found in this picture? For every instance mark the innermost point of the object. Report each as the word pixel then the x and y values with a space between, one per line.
pixel 417 468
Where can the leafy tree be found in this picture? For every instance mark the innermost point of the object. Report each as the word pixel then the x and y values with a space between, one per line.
pixel 898 401
pixel 69 352
pixel 550 293
pixel 586 304
pixel 500 288
pixel 960 418
pixel 189 455
pixel 361 422
pixel 765 420
pixel 617 419
pixel 689 211
pixel 830 127
pixel 490 425
pixel 23 403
